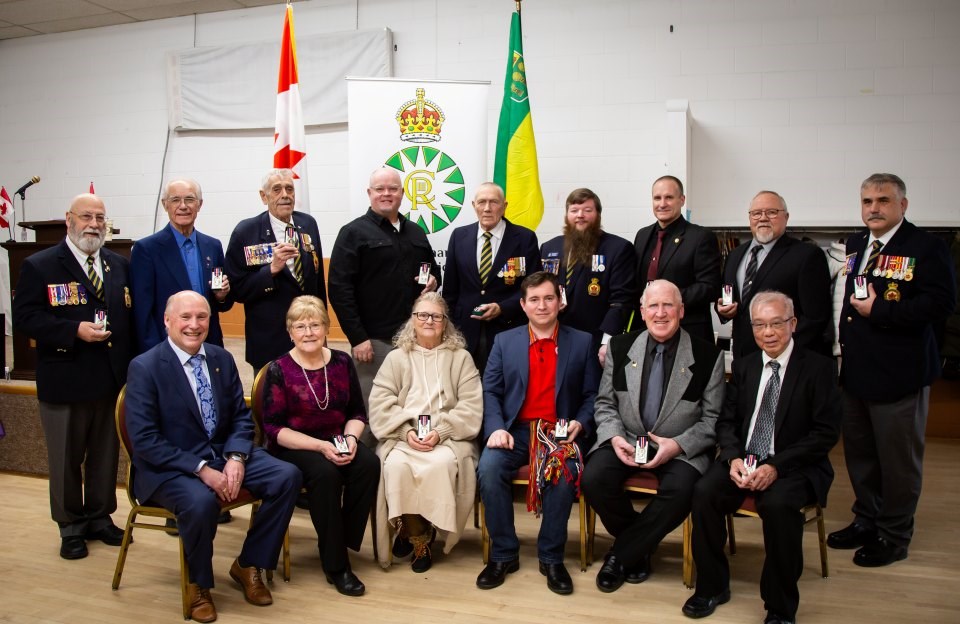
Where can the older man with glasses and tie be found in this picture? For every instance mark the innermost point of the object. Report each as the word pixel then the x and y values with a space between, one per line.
pixel 74 300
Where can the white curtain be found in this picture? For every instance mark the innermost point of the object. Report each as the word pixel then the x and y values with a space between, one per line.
pixel 235 86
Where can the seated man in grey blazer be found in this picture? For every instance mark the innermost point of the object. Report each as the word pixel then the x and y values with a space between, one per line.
pixel 660 395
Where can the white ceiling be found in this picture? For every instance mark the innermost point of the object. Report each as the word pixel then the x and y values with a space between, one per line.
pixel 24 18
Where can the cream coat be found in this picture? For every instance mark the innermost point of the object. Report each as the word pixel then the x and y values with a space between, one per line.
pixel 457 424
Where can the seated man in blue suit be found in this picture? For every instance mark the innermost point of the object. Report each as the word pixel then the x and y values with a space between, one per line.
pixel 547 373
pixel 176 258
pixel 192 440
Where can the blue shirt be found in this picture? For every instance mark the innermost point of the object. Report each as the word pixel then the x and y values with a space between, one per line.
pixel 191 258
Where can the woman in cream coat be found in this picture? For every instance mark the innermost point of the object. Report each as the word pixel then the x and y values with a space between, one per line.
pixel 428 476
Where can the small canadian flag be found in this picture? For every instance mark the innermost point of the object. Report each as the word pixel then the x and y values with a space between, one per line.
pixel 6 206
pixel 91 187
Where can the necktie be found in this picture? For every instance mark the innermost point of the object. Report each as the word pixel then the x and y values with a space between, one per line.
pixel 759 444
pixel 874 254
pixel 94 278
pixel 748 276
pixel 297 262
pixel 486 258
pixel 651 401
pixel 655 258
pixel 571 265
pixel 193 268
pixel 208 410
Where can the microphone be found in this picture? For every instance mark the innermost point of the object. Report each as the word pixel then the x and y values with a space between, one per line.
pixel 29 183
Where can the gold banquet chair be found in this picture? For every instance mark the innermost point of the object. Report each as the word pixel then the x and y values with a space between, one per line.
pixel 811 513
pixel 522 478
pixel 646 483
pixel 149 510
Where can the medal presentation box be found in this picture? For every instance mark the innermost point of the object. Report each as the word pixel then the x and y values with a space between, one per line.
pixel 48 234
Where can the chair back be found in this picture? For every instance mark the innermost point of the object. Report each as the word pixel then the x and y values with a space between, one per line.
pixel 120 419
pixel 256 405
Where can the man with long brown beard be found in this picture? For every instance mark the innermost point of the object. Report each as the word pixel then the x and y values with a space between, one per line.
pixel 596 270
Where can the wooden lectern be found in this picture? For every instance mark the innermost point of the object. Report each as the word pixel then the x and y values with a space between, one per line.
pixel 48 234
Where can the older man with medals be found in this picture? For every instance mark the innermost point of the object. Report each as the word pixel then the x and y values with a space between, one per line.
pixel 900 286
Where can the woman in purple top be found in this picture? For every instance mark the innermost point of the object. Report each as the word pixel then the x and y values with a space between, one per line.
pixel 313 415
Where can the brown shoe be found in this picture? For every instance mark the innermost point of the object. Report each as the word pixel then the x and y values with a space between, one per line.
pixel 251 584
pixel 201 604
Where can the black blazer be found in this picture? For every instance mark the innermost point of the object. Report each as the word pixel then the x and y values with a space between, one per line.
pixel 608 311
pixel 266 297
pixel 798 270
pixel 894 352
pixel 691 260
pixel 461 281
pixel 68 369
pixel 807 418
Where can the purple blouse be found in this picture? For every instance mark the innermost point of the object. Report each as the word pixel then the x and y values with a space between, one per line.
pixel 288 402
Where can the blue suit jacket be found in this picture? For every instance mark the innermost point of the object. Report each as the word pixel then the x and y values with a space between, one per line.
pixel 266 297
pixel 163 416
pixel 508 372
pixel 461 281
pixel 608 311
pixel 157 271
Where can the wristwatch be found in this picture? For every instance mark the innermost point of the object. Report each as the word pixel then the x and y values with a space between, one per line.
pixel 240 457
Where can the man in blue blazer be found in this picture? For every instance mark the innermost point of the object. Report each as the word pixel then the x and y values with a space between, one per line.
pixel 81 366
pixel 542 372
pixel 486 262
pixel 598 271
pixel 267 272
pixel 176 258
pixel 191 435
pixel 890 358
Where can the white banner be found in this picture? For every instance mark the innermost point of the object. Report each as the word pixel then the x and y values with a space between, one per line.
pixel 434 133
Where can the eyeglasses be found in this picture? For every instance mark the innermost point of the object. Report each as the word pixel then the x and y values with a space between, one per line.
pixel 303 328
pixel 774 325
pixel 384 190
pixel 189 200
pixel 423 317
pixel 87 217
pixel 770 213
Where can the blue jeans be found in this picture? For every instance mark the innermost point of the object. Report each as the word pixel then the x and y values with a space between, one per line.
pixel 494 473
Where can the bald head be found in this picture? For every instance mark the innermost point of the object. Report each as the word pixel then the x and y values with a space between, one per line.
pixel 385 193
pixel 86 223
pixel 187 318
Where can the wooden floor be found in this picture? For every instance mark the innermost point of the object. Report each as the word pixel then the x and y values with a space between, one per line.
pixel 38 586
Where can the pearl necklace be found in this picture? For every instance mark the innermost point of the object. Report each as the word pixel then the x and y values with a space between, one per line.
pixel 326 387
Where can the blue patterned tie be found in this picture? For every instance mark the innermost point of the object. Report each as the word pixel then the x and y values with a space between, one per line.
pixel 208 411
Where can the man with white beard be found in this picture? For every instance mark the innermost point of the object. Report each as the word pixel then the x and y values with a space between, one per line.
pixel 74 300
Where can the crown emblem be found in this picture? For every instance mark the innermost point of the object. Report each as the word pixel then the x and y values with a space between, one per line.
pixel 420 120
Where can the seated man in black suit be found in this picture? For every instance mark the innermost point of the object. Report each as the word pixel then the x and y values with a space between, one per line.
pixel 773 443
pixel 192 440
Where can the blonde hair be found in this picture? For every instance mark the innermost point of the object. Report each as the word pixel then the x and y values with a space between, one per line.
pixel 307 306
pixel 406 336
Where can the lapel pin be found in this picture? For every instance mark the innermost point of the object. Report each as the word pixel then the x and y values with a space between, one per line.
pixel 633 364
pixel 676 241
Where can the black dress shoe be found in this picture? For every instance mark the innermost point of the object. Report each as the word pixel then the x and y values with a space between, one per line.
pixel 558 579
pixel 110 535
pixel 640 572
pixel 879 553
pixel 346 582
pixel 224 517
pixel 773 618
pixel 702 606
pixel 853 536
pixel 611 575
pixel 73 547
pixel 496 572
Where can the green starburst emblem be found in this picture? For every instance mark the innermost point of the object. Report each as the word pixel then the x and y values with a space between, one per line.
pixel 432 184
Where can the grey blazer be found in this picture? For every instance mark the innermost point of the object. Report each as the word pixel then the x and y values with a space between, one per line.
pixel 691 404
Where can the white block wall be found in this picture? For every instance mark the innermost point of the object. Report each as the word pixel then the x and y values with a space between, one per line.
pixel 806 98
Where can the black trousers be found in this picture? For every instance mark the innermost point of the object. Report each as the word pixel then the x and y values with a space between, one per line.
pixel 780 509
pixel 340 499
pixel 637 534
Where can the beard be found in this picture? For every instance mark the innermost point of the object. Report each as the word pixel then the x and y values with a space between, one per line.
pixel 580 246
pixel 86 244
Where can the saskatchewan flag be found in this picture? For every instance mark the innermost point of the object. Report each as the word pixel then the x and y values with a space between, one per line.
pixel 515 165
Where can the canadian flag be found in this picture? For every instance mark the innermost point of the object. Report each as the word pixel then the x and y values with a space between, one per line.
pixel 91 188
pixel 5 207
pixel 289 139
